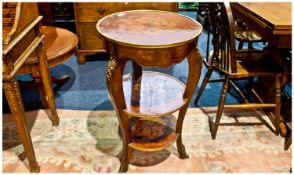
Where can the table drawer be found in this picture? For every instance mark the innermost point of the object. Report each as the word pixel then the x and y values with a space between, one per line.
pixel 92 12
pixel 89 38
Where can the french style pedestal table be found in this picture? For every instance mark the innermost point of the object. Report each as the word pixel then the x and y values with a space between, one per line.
pixel 144 101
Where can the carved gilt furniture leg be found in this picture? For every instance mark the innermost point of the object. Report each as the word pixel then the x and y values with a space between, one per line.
pixel 46 79
pixel 114 81
pixel 194 60
pixel 14 99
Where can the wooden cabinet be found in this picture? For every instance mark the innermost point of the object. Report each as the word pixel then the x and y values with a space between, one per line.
pixel 88 14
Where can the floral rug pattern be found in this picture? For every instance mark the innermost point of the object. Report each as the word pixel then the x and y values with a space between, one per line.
pixel 88 142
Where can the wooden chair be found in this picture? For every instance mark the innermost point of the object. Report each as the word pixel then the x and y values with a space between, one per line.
pixel 22 35
pixel 238 64
pixel 244 34
pixel 202 15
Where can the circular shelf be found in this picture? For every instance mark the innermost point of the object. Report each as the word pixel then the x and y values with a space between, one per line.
pixel 153 94
pixel 153 135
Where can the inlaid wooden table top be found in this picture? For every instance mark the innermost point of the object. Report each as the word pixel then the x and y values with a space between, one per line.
pixel 58 42
pixel 148 28
pixel 276 15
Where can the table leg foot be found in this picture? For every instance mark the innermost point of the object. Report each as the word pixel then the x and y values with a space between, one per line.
pixel 125 160
pixel 81 59
pixel 35 169
pixel 55 120
pixel 182 151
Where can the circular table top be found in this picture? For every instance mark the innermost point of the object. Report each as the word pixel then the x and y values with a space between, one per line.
pixel 58 42
pixel 148 28
pixel 60 45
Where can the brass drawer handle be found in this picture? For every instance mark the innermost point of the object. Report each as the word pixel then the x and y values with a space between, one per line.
pixel 100 10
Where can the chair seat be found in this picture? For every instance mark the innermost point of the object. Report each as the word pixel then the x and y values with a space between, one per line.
pixel 248 35
pixel 263 68
pixel 60 44
pixel 244 33
pixel 256 64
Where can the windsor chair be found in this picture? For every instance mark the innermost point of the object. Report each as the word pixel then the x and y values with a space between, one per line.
pixel 238 64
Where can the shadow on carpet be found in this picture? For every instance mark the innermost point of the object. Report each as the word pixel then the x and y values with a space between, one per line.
pixel 88 142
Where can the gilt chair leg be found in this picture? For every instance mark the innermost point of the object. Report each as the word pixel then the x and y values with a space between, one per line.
pixel 204 82
pixel 220 108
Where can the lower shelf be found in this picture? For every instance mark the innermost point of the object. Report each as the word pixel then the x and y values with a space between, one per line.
pixel 153 135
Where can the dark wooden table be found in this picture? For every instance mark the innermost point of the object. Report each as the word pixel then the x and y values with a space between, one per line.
pixel 273 21
pixel 144 101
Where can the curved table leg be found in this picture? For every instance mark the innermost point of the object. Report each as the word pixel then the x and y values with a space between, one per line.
pixel 114 81
pixel 14 99
pixel 195 63
pixel 46 79
pixel 137 70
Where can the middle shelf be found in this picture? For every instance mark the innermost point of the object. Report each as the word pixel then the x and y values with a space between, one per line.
pixel 153 94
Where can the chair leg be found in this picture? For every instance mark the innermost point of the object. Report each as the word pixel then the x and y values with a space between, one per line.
pixel 240 46
pixel 278 106
pixel 204 82
pixel 288 142
pixel 250 84
pixel 207 45
pixel 220 108
pixel 250 46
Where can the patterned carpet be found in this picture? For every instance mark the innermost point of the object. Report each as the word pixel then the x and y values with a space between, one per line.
pixel 88 142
